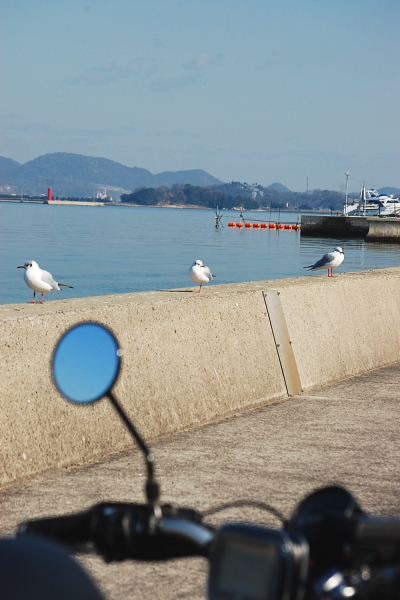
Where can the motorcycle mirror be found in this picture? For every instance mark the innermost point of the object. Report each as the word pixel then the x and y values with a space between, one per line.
pixel 85 366
pixel 86 363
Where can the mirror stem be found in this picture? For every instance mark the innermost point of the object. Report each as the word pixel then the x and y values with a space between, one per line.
pixel 152 489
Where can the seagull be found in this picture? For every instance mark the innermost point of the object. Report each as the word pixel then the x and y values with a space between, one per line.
pixel 199 273
pixel 329 261
pixel 39 280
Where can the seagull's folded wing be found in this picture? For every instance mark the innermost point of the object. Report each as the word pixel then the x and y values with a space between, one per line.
pixel 206 271
pixel 48 278
pixel 325 261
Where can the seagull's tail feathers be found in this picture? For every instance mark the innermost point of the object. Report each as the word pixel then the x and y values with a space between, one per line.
pixel 309 267
pixel 64 285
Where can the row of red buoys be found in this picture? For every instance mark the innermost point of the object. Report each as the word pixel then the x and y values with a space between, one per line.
pixel 294 227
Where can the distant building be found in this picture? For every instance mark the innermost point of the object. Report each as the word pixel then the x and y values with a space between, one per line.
pixel 103 196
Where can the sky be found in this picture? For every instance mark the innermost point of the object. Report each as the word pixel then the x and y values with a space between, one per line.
pixel 259 91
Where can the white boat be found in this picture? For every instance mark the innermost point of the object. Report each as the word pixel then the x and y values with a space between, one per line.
pixel 372 204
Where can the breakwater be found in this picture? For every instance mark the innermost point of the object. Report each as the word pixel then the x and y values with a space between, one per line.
pixel 56 202
pixel 188 359
pixel 368 228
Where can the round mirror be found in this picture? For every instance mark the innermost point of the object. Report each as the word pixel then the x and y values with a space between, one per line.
pixel 86 363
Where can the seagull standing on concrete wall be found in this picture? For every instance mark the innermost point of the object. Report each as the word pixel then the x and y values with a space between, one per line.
pixel 329 261
pixel 39 280
pixel 199 273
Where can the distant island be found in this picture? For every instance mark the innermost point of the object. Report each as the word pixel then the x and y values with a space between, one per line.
pixel 86 178
pixel 234 195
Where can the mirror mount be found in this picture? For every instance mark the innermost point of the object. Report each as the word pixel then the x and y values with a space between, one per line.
pixel 85 366
pixel 152 487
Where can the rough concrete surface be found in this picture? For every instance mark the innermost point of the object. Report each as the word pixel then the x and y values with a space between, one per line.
pixel 183 356
pixel 189 359
pixel 347 433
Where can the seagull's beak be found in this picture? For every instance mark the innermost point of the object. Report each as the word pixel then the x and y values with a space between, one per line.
pixel 21 267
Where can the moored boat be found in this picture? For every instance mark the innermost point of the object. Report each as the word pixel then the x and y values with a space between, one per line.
pixel 373 204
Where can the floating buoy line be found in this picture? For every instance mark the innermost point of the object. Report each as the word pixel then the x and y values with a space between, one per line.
pixel 252 224
pixel 263 225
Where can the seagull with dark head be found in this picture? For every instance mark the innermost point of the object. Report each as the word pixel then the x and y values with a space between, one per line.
pixel 329 261
pixel 39 280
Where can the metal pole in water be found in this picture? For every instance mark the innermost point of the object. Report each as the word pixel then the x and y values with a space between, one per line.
pixel 347 189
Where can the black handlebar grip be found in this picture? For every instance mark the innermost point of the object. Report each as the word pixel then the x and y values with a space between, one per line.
pixel 101 525
pixel 70 529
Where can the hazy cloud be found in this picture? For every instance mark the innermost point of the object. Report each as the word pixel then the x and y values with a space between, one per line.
pixel 103 74
pixel 166 84
pixel 201 62
pixel 110 72
pixel 173 83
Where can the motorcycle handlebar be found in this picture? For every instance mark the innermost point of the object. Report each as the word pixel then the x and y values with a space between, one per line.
pixel 127 531
pixel 119 531
pixel 365 551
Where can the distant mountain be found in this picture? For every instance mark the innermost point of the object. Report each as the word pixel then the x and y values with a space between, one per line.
pixel 192 177
pixel 75 175
pixel 278 187
pixel 9 169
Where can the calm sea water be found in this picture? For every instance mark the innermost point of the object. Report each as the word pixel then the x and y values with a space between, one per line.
pixel 116 250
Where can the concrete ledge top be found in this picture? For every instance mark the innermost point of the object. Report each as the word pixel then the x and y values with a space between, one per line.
pixel 16 311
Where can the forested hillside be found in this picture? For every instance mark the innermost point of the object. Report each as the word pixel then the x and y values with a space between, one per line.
pixel 187 195
pixel 227 196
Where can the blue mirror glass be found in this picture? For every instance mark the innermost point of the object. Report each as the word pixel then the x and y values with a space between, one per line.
pixel 86 363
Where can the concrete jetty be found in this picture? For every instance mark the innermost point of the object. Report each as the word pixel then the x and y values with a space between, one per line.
pixel 189 359
pixel 368 228
pixel 74 203
pixel 56 202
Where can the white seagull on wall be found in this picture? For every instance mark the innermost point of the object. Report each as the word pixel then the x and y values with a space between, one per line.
pixel 329 261
pixel 39 280
pixel 200 274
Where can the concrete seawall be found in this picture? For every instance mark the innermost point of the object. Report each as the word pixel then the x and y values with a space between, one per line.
pixel 383 230
pixel 188 359
pixel 374 229
pixel 334 227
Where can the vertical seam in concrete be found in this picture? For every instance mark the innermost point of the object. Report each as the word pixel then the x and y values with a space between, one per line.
pixel 282 342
